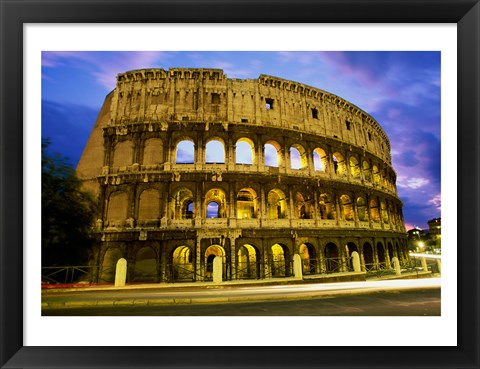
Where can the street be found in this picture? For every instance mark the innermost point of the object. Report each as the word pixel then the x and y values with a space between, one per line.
pixel 395 303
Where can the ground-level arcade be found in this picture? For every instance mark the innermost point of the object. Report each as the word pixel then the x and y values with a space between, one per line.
pixel 187 255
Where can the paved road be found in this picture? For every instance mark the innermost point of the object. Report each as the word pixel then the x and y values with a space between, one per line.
pixel 423 302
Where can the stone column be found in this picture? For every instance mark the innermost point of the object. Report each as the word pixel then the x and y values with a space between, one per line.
pixel 233 259
pixel 198 260
pixel 396 265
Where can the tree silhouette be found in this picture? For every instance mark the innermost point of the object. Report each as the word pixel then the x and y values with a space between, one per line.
pixel 67 213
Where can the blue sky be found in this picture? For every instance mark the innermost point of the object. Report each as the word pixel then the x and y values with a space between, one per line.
pixel 401 90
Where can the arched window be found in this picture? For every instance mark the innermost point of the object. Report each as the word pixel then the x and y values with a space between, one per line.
pixel 244 151
pixel 327 206
pixel 185 153
pixel 367 171
pixel 215 152
pixel 213 210
pixel 246 204
pixel 276 205
pixel 298 157
pixel 272 156
pixel 182 204
pixel 339 165
pixel 215 203
pixel 347 207
pixel 354 167
pixel 320 160
pixel 362 209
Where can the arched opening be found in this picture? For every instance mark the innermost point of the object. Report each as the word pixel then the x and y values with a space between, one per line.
pixel 215 204
pixel 109 265
pixel 362 209
pixel 279 260
pixel 213 209
pixel 308 257
pixel 332 258
pixel 247 264
pixel 327 207
pixel 185 152
pixel 376 175
pixel 181 264
pixel 339 165
pixel 246 204
pixel 303 207
pixel 374 211
pixel 381 255
pixel 368 256
pixel 349 249
pixel 391 253
pixel 367 171
pixel 145 265
pixel 210 254
pixel 383 211
pixel 215 152
pixel 354 167
pixel 347 207
pixel 182 204
pixel 272 154
pixel 245 151
pixel 276 205
pixel 320 160
pixel 153 151
pixel 298 157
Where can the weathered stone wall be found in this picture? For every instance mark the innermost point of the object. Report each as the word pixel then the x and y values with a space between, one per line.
pixel 155 208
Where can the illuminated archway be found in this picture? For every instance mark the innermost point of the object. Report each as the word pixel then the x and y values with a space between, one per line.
pixel 247 264
pixel 309 259
pixel 245 151
pixel 332 258
pixel 181 263
pixel 276 205
pixel 246 204
pixel 215 203
pixel 279 260
pixel 211 253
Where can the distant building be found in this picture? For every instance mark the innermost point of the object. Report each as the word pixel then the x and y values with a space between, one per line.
pixel 435 228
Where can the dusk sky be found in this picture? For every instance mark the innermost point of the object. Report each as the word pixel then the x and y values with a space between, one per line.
pixel 401 90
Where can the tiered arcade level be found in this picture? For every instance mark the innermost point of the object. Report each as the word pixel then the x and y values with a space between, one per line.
pixel 188 164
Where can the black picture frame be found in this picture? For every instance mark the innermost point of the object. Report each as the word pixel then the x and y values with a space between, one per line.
pixel 15 13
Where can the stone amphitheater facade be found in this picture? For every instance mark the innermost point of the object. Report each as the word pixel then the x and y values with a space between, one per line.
pixel 188 165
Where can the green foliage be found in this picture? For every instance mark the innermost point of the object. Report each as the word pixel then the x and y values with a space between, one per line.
pixel 67 213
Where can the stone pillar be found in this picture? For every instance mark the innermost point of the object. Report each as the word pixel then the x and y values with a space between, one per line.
pixel 198 261
pixel 121 273
pixel 424 265
pixel 297 266
pixel 356 262
pixel 396 265
pixel 217 269
pixel 439 265
pixel 233 257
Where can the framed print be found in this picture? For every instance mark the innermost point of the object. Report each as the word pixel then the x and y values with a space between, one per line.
pixel 29 339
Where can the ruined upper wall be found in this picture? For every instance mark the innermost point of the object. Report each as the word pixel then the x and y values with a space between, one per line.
pixel 207 95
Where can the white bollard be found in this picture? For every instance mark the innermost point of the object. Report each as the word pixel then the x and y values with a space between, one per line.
pixel 217 269
pixel 356 262
pixel 121 273
pixel 297 267
pixel 439 264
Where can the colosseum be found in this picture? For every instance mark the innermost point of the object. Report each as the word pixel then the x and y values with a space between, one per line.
pixel 266 175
